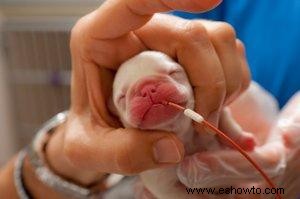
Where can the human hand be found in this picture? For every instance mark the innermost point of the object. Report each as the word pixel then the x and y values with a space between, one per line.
pixel 91 142
pixel 256 111
pixel 289 126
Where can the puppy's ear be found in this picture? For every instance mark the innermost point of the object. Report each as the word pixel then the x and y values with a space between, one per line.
pixel 111 107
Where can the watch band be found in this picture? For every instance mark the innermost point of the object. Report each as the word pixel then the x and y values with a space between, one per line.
pixel 43 173
pixel 18 176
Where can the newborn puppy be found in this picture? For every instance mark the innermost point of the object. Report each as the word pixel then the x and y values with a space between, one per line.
pixel 141 86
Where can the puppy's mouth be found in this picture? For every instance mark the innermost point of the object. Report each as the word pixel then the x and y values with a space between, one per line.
pixel 151 112
pixel 157 115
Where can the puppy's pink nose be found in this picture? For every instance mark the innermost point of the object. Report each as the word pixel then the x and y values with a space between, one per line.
pixel 149 90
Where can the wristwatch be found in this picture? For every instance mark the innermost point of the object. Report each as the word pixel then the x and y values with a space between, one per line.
pixel 43 172
pixel 35 152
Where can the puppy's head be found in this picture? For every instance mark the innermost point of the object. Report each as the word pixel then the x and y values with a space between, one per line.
pixel 143 83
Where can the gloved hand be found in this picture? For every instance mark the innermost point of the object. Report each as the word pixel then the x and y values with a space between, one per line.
pixel 226 167
pixel 273 156
pixel 289 126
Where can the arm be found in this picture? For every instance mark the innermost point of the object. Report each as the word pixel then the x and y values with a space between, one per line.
pixel 7 188
pixel 34 186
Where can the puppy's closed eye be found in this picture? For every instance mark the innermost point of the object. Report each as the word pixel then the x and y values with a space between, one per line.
pixel 176 73
pixel 172 72
pixel 121 97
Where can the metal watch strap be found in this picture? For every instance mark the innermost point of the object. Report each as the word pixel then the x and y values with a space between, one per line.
pixel 18 176
pixel 43 173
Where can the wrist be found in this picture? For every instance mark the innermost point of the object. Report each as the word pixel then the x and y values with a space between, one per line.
pixel 59 163
pixel 63 177
pixel 35 187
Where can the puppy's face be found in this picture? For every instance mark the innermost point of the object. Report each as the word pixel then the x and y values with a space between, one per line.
pixel 143 83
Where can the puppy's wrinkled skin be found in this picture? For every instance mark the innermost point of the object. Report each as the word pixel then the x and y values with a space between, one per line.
pixel 141 86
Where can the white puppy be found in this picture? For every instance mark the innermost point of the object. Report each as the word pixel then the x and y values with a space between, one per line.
pixel 140 87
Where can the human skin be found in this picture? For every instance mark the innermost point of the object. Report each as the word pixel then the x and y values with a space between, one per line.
pixel 91 142
pixel 208 59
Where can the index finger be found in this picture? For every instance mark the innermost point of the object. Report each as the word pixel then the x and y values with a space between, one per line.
pixel 122 16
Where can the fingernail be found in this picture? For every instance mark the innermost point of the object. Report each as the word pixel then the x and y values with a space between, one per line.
pixel 166 151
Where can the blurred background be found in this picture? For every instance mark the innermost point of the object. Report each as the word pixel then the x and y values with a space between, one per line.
pixel 34 65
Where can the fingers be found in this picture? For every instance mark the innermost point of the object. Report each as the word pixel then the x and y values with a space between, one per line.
pixel 188 42
pixel 93 44
pixel 198 56
pixel 209 168
pixel 288 123
pixel 104 38
pixel 291 137
pixel 118 17
pixel 212 56
pixel 125 151
pixel 227 124
pixel 288 126
pixel 246 75
pixel 223 37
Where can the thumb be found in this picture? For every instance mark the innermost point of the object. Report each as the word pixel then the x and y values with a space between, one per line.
pixel 125 151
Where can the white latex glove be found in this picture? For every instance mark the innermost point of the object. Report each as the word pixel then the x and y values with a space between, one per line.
pixel 289 126
pixel 254 110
